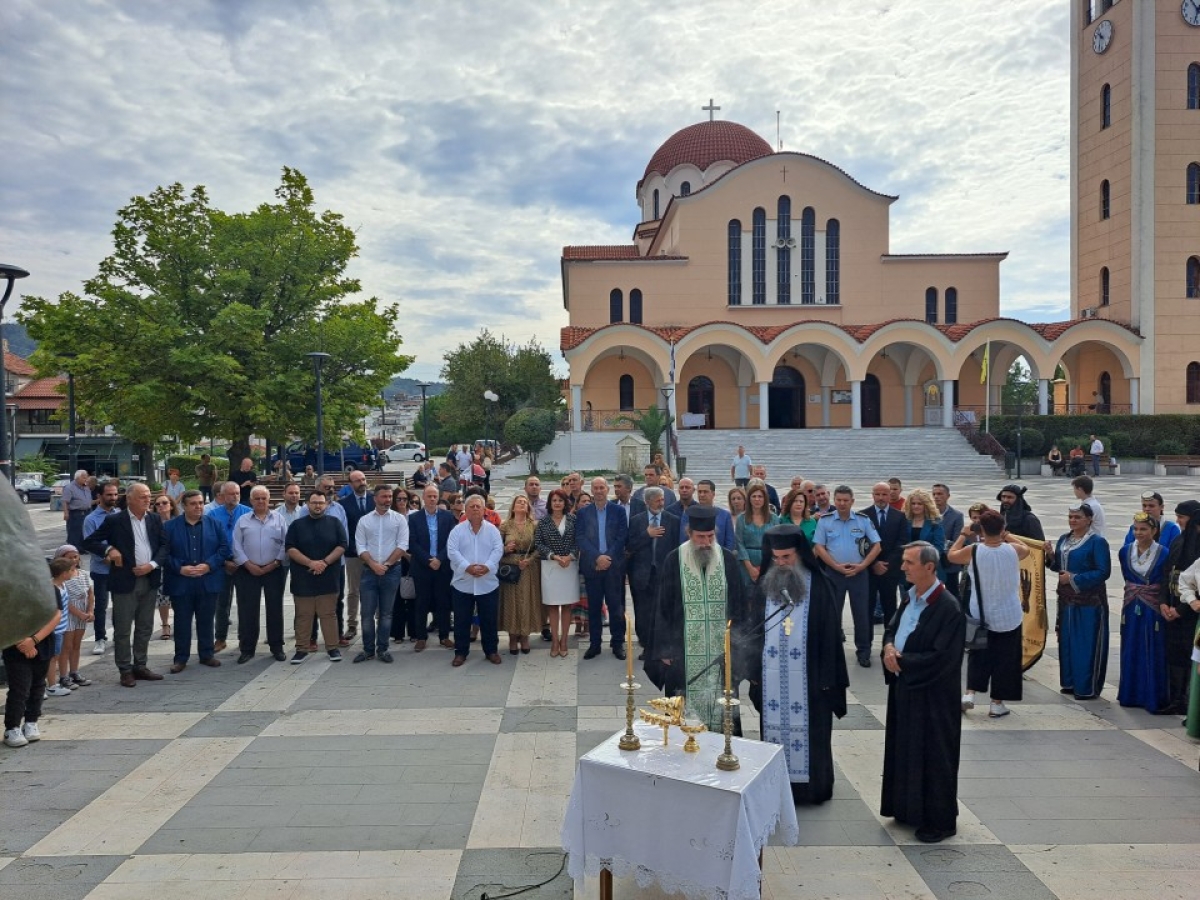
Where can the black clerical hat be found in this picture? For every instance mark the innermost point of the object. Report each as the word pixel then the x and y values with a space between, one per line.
pixel 702 518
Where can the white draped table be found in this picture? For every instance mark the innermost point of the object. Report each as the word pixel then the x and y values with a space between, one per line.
pixel 672 818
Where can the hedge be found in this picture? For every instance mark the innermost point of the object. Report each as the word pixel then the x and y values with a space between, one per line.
pixel 1123 435
pixel 187 467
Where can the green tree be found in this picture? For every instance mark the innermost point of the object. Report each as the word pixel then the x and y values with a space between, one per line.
pixel 199 322
pixel 520 375
pixel 532 430
pixel 1019 390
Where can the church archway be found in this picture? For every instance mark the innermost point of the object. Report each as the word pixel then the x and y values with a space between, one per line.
pixel 872 402
pixel 786 395
pixel 701 399
pixel 1104 394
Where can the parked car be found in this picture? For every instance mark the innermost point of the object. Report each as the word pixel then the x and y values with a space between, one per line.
pixel 347 458
pixel 414 450
pixel 31 489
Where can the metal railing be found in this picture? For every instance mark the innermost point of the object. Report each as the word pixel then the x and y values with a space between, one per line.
pixel 965 413
pixel 602 420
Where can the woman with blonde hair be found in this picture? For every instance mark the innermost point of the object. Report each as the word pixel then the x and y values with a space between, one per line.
pixel 520 603
pixel 167 510
pixel 925 524
pixel 737 502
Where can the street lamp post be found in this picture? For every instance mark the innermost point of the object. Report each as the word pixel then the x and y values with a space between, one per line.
pixel 318 359
pixel 424 386
pixel 491 397
pixel 10 274
pixel 667 392
pixel 72 447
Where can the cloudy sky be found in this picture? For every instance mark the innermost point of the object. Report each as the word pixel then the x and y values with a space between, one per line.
pixel 467 142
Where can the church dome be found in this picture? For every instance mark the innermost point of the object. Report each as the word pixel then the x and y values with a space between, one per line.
pixel 705 143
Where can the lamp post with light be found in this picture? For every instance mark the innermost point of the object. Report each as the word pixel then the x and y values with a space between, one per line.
pixel 491 397
pixel 667 392
pixel 424 386
pixel 10 274
pixel 318 359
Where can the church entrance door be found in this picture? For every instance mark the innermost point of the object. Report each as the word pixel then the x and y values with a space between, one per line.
pixel 786 396
pixel 701 401
pixel 872 415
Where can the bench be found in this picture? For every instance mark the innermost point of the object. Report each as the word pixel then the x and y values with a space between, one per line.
pixel 1177 465
pixel 1107 466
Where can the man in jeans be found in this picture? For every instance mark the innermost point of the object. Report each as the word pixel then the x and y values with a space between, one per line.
pixel 107 506
pixel 382 540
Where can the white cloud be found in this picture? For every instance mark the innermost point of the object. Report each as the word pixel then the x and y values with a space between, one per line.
pixel 468 142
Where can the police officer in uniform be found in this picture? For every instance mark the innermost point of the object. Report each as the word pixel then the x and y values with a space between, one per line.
pixel 847 543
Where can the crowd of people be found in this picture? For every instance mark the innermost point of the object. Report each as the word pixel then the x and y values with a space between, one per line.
pixel 441 559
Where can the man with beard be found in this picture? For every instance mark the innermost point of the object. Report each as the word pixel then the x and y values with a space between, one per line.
pixel 1018 517
pixel 109 495
pixel 700 591
pixel 801 669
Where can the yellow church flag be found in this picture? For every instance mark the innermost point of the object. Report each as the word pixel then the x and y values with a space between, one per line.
pixel 987 356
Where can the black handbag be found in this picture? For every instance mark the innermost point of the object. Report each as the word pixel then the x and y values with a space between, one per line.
pixel 977 633
pixel 510 573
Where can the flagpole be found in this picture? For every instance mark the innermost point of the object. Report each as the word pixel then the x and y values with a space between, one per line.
pixel 987 408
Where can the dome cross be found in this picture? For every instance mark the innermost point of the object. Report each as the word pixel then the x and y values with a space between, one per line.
pixel 710 109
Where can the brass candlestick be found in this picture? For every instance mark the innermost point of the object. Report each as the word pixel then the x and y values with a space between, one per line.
pixel 668 712
pixel 629 740
pixel 727 762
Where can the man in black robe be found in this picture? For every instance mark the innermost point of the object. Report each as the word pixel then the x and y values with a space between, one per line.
pixel 797 665
pixel 922 661
pixel 700 591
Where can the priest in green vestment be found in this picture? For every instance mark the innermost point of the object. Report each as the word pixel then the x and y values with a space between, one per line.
pixel 700 591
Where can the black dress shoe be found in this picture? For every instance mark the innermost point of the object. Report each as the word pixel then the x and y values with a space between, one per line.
pixel 279 655
pixel 865 661
pixel 591 653
pixel 245 656
pixel 934 835
pixel 546 635
pixel 619 652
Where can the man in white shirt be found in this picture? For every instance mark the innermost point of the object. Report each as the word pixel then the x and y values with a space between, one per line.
pixel 739 469
pixel 382 540
pixel 1096 451
pixel 475 548
pixel 1083 487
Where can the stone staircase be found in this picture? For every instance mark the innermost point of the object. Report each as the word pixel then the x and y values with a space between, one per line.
pixel 834 456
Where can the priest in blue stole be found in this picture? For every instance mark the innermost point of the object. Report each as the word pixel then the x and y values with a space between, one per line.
pixel 799 680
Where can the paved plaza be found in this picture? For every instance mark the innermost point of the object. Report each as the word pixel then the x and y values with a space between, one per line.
pixel 417 780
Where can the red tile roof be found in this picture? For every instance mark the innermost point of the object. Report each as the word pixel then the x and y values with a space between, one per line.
pixel 605 252
pixel 705 143
pixel 574 335
pixel 18 365
pixel 41 394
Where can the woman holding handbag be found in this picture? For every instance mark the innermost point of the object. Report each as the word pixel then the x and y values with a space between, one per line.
pixel 555 541
pixel 520 600
pixel 994 568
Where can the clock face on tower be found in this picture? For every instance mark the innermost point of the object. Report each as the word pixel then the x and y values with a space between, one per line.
pixel 1190 10
pixel 1102 36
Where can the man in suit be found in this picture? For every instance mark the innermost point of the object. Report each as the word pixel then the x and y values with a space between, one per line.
pixel 197 549
pixel 132 544
pixel 356 504
pixel 601 531
pixel 952 524
pixel 706 496
pixel 428 530
pixel 652 535
pixel 637 503
pixel 886 577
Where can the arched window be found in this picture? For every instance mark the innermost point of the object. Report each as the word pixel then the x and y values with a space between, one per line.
pixel 1193 382
pixel 1194 86
pixel 735 262
pixel 833 262
pixel 1104 196
pixel 626 391
pixel 1193 183
pixel 685 189
pixel 635 306
pixel 616 306
pixel 931 305
pixel 656 203
pixel 1104 295
pixel 783 253
pixel 758 263
pixel 1193 277
pixel 951 306
pixel 1105 106
pixel 808 249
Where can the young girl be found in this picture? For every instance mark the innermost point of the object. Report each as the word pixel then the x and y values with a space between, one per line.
pixel 26 663
pixel 58 673
pixel 80 610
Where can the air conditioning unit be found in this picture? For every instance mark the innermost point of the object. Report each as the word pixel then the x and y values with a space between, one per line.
pixel 1088 313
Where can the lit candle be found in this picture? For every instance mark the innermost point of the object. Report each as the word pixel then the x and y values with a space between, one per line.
pixel 628 649
pixel 728 666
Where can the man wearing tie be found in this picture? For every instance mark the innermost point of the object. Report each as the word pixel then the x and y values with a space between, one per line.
pixel 601 531
pixel 356 504
pixel 885 577
pixel 428 530
pixel 653 534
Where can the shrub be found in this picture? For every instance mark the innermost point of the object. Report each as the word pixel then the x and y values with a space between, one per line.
pixel 1032 441
pixel 1170 447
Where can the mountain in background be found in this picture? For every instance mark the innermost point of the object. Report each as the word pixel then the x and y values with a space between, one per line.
pixel 408 386
pixel 19 342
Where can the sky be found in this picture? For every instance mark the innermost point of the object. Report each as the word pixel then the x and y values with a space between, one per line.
pixel 467 142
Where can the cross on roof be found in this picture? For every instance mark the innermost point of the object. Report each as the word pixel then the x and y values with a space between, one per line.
pixel 710 109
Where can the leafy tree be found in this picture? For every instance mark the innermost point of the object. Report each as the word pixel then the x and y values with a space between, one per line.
pixel 198 323
pixel 1019 390
pixel 652 422
pixel 532 430
pixel 520 375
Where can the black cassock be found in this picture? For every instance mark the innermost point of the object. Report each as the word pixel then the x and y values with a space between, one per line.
pixel 924 718
pixel 668 626
pixel 828 679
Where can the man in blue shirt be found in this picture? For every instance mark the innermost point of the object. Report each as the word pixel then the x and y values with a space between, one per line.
pixel 198 549
pixel 109 495
pixel 226 513
pixel 848 543
pixel 601 531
